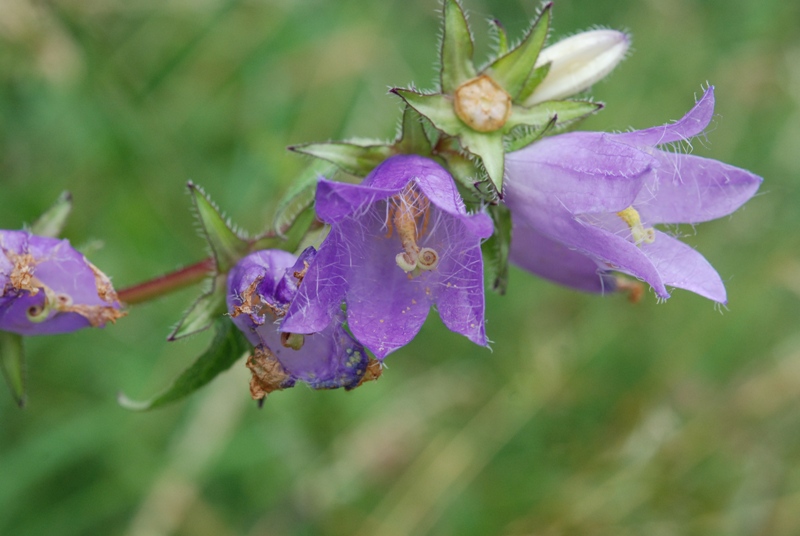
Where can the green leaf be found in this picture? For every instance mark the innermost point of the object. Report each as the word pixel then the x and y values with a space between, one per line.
pixel 226 244
pixel 51 223
pixel 533 81
pixel 204 311
pixel 524 135
pixel 228 345
pixel 349 156
pixel 500 35
pixel 457 48
pixel 497 247
pixel 489 148
pixel 300 196
pixel 413 139
pixel 437 108
pixel 513 70
pixel 540 114
pixel 12 361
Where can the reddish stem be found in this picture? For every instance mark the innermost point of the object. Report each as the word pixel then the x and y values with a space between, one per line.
pixel 167 283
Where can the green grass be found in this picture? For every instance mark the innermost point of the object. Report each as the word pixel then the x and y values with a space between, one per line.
pixel 589 416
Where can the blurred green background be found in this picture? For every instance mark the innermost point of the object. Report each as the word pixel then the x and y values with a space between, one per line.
pixel 589 416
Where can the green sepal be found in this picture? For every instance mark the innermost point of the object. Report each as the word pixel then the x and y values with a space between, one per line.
pixel 533 81
pixel 292 236
pixel 501 37
pixel 513 69
pixel 351 157
pixel 300 196
pixel 413 139
pixel 227 246
pixel 12 361
pixel 227 347
pixel 462 168
pixel 496 249
pixel 204 311
pixel 524 135
pixel 491 151
pixel 567 111
pixel 437 108
pixel 457 48
pixel 52 222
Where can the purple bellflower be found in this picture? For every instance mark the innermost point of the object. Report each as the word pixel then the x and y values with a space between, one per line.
pixel 47 287
pixel 260 288
pixel 585 203
pixel 400 242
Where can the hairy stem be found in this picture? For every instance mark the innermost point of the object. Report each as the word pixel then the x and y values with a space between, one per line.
pixel 165 284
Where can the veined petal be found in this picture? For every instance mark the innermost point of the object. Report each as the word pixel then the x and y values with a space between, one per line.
pixel 611 251
pixel 681 266
pixel 322 291
pixel 689 126
pixel 581 171
pixel 457 284
pixel 552 260
pixel 692 189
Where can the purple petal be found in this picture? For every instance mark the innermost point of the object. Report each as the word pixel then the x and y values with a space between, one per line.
pixel 327 359
pixel 459 291
pixel 692 124
pixel 691 189
pixel 385 307
pixel 611 251
pixel 580 171
pixel 552 260
pixel 320 295
pixel 69 292
pixel 338 200
pixel 681 266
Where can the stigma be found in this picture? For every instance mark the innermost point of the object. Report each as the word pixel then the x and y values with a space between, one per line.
pixel 409 215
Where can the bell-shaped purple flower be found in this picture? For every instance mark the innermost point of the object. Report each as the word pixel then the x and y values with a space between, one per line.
pixel 585 203
pixel 47 287
pixel 260 288
pixel 400 242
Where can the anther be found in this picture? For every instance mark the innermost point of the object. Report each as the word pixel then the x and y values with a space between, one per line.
pixel 639 232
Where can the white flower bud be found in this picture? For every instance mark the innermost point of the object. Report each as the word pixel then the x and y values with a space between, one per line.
pixel 578 62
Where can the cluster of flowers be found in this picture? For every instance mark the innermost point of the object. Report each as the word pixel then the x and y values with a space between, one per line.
pixel 583 207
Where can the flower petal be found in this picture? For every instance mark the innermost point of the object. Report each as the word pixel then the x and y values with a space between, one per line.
pixel 457 283
pixel 322 291
pixel 611 251
pixel 692 189
pixel 692 124
pixel 385 306
pixel 552 260
pixel 581 171
pixel 681 266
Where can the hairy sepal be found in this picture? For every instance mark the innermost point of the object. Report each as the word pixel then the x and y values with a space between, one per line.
pixel 204 311
pixel 497 247
pixel 457 48
pixel 514 69
pixel 227 245
pixel 52 222
pixel 351 157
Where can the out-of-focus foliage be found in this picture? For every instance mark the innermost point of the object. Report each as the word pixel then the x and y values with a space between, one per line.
pixel 590 415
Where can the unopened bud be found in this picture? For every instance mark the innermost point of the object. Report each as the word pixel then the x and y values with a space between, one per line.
pixel 578 62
